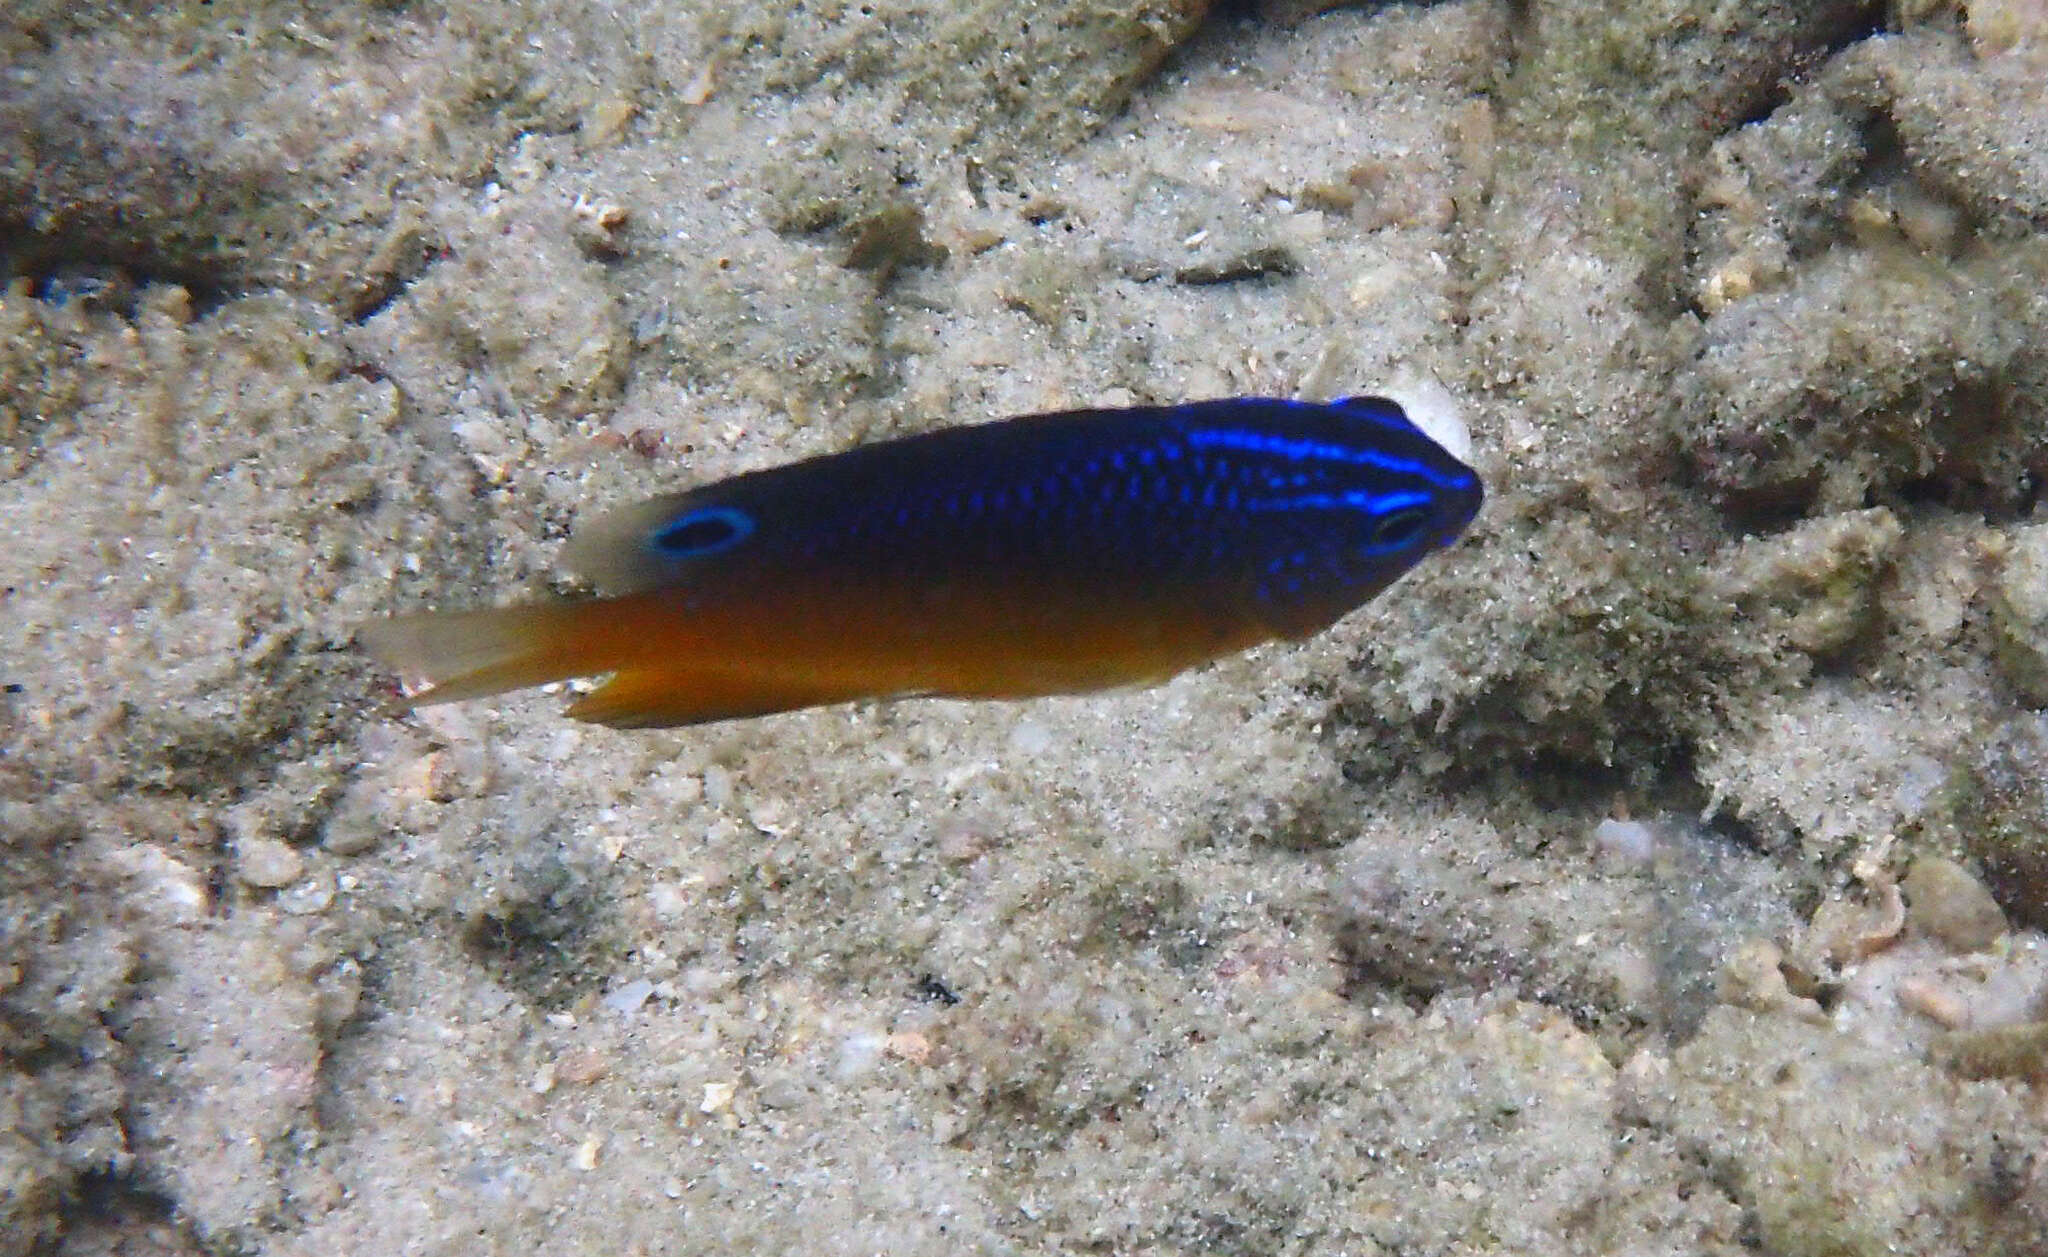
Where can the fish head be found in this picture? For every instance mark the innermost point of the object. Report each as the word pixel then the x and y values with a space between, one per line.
pixel 1407 495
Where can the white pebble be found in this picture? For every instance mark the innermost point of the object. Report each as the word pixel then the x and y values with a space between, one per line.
pixel 627 999
pixel 1631 841
pixel 717 786
pixel 1029 737
pixel 304 898
pixel 860 1052
pixel 717 1097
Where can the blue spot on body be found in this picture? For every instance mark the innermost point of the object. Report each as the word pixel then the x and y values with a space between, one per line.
pixel 704 530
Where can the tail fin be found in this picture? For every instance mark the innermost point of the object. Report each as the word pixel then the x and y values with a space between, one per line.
pixel 470 654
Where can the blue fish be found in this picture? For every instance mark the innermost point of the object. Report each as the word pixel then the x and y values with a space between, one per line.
pixel 1047 554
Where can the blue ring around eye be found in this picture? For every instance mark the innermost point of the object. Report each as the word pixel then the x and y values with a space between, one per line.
pixel 705 530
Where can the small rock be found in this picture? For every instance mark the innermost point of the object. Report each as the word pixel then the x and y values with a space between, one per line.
pixel 362 816
pixel 781 1090
pixel 2008 27
pixel 1932 1000
pixel 582 1066
pixel 1236 261
pixel 598 227
pixel 890 239
pixel 1844 931
pixel 268 864
pixel 910 1046
pixel 169 887
pixel 1753 978
pixel 1817 582
pixel 1947 903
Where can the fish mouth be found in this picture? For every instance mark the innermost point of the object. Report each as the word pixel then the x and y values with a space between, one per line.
pixel 1461 517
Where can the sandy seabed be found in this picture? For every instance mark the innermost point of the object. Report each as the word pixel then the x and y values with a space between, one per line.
pixel 1659 871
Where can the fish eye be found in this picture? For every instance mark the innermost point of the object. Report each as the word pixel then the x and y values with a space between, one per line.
pixel 1399 530
pixel 706 530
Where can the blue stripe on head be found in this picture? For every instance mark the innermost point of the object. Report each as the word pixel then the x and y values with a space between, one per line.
pixel 1242 440
pixel 1352 500
pixel 700 531
pixel 1380 410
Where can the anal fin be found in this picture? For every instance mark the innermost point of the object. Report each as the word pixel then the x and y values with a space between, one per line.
pixel 650 698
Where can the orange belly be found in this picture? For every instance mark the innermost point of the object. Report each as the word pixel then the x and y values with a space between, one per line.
pixel 670 666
